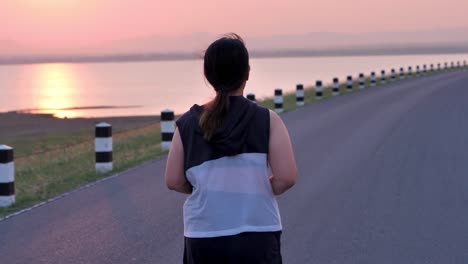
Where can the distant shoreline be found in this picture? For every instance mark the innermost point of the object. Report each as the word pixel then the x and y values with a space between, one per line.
pixel 147 57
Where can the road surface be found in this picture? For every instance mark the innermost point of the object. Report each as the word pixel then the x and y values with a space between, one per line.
pixel 383 179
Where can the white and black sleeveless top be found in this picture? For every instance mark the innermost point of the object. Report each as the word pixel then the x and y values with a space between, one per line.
pixel 229 174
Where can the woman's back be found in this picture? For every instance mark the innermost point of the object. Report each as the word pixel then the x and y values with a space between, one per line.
pixel 229 174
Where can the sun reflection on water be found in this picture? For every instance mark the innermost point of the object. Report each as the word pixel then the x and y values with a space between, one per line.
pixel 56 86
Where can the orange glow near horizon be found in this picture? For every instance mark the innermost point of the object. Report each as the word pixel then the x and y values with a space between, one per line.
pixel 56 88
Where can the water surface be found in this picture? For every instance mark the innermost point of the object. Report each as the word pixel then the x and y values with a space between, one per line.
pixel 146 88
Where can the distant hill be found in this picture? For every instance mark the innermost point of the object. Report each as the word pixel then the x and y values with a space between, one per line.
pixel 354 51
pixel 325 40
pixel 314 40
pixel 191 46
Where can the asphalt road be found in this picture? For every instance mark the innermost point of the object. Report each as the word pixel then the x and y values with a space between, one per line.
pixel 383 178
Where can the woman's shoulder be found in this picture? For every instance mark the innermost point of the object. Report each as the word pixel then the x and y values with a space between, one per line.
pixel 275 121
pixel 189 116
pixel 260 111
pixel 274 117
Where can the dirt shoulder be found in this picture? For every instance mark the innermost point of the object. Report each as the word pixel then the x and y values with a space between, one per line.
pixel 18 126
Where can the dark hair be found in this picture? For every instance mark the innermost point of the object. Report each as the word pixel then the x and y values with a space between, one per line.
pixel 226 67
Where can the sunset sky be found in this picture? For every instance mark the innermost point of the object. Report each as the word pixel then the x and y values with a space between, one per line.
pixel 70 25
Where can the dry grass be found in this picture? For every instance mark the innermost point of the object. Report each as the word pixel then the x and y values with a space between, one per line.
pixel 47 174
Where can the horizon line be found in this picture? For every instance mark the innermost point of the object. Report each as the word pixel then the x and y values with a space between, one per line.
pixel 398 49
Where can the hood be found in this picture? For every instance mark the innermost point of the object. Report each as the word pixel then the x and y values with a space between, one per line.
pixel 230 138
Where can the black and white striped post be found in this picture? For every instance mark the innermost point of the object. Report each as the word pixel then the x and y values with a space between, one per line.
pixel 103 147
pixel 300 95
pixel 318 90
pixel 349 83
pixel 362 81
pixel 438 66
pixel 402 73
pixel 417 70
pixel 7 176
pixel 393 75
pixel 432 67
pixel 424 69
pixel 251 97
pixel 410 72
pixel 278 100
pixel 336 87
pixel 167 128
pixel 445 66
pixel 373 80
pixel 383 79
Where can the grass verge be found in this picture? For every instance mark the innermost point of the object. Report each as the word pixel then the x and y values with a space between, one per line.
pixel 45 175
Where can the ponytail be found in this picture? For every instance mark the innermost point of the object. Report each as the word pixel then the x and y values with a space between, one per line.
pixel 213 116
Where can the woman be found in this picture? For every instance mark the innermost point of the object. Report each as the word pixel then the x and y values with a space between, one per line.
pixel 232 156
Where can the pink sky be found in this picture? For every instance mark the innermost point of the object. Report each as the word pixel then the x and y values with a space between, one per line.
pixel 71 24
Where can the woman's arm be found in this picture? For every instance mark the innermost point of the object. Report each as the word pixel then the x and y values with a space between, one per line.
pixel 175 176
pixel 281 156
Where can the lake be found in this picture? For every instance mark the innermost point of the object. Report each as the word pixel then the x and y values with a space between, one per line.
pixel 146 88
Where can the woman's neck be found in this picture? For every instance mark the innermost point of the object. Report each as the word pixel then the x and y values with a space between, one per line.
pixel 237 92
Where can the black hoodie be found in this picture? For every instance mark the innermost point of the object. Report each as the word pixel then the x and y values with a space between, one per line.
pixel 245 130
